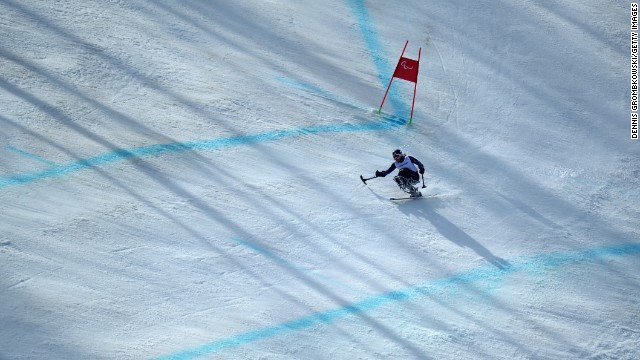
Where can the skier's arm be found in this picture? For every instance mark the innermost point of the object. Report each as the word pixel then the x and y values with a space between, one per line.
pixel 387 172
pixel 417 162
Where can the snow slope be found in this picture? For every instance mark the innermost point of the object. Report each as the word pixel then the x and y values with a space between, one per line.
pixel 181 180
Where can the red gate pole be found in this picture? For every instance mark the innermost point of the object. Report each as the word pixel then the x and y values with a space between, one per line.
pixel 415 85
pixel 390 81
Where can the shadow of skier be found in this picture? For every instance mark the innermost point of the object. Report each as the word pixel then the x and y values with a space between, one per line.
pixel 449 230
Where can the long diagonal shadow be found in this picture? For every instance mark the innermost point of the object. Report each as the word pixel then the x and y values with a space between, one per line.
pixel 450 231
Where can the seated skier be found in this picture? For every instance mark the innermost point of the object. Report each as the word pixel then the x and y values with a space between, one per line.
pixel 408 168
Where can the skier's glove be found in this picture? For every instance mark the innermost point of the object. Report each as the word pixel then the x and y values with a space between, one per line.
pixel 380 173
pixel 422 171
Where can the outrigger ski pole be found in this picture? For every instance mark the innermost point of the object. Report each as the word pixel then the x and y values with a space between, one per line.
pixel 365 180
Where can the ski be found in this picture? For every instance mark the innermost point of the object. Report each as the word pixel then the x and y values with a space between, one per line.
pixel 433 196
pixel 407 198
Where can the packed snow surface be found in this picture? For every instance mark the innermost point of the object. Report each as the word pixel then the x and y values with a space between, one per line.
pixel 181 179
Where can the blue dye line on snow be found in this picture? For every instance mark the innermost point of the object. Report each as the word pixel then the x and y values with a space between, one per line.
pixel 536 265
pixel 160 149
pixel 29 155
pixel 370 39
pixel 375 49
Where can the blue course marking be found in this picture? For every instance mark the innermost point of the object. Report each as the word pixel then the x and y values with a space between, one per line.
pixel 372 42
pixel 28 154
pixel 387 122
pixel 537 265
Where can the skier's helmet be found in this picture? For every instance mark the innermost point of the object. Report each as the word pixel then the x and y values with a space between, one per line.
pixel 397 154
